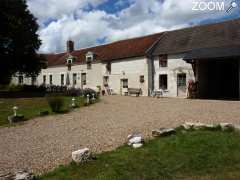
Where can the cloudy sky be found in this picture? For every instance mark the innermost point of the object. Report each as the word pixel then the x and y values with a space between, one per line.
pixel 93 22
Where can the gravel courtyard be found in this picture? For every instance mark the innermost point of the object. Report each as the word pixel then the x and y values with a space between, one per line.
pixel 46 142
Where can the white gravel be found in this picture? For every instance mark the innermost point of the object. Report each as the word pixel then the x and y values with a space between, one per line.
pixel 46 142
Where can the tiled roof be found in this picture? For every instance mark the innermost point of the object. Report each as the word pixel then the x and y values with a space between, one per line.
pixel 204 36
pixel 134 47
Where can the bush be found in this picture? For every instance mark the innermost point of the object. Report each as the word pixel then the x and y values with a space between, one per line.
pixel 90 92
pixel 24 88
pixel 56 103
pixel 74 92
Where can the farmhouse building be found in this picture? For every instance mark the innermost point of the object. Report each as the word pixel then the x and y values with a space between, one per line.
pixel 213 56
pixel 207 55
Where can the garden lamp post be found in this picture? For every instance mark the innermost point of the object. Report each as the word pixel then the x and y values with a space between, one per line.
pixel 87 98
pixel 93 97
pixel 73 102
pixel 15 108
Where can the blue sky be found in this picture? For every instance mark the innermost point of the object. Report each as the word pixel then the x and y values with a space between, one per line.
pixel 93 22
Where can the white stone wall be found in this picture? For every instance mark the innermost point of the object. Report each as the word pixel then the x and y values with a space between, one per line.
pixel 93 75
pixel 176 65
pixel 131 69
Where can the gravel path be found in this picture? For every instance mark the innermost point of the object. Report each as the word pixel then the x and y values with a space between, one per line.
pixel 46 142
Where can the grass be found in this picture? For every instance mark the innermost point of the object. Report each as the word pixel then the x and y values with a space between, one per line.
pixel 30 107
pixel 191 155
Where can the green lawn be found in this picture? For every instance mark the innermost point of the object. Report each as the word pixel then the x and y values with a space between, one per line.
pixel 29 107
pixel 191 155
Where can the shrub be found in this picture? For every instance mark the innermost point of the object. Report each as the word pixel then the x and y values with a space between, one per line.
pixel 73 92
pixel 90 92
pixel 56 103
pixel 24 88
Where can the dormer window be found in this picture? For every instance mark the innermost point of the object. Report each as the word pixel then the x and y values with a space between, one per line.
pixel 89 57
pixel 108 67
pixel 69 61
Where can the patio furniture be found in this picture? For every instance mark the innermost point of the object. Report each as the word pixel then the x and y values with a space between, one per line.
pixel 136 91
pixel 159 93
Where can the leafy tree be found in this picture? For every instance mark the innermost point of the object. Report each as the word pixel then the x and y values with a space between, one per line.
pixel 19 41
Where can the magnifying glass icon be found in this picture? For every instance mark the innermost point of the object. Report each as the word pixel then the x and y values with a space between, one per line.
pixel 233 4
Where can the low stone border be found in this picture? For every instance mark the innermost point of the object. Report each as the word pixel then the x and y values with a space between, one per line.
pixel 195 126
pixel 19 175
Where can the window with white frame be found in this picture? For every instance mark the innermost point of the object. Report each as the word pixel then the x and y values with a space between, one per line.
pixel 74 78
pixel 141 79
pixel 83 79
pixel 50 79
pixel 109 67
pixel 163 61
pixel 34 80
pixel 105 80
pixel 20 79
pixel 125 83
pixel 44 79
pixel 62 79
pixel 69 61
pixel 89 57
pixel 89 65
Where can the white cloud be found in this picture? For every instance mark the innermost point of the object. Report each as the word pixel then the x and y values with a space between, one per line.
pixel 86 27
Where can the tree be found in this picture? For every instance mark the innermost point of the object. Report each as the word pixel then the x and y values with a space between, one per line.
pixel 19 41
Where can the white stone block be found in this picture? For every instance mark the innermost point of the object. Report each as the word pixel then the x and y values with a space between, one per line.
pixel 81 155
pixel 137 145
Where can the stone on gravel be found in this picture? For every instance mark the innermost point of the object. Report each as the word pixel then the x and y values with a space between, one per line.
pixel 187 125
pixel 226 126
pixel 130 136
pixel 163 132
pixel 135 140
pixel 6 176
pixel 237 127
pixel 198 126
pixel 137 145
pixel 81 155
pixel 24 175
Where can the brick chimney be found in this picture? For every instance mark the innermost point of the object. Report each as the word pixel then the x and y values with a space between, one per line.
pixel 70 46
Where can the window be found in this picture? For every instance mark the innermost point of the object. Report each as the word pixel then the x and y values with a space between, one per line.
pixel 108 67
pixel 163 81
pixel 163 61
pixel 181 80
pixel 141 79
pixel 74 78
pixel 83 78
pixel 62 79
pixel 20 79
pixel 89 65
pixel 105 80
pixel 125 83
pixel 50 80
pixel 89 58
pixel 34 79
pixel 44 79
pixel 69 61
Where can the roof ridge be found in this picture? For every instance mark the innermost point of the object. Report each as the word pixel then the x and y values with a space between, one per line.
pixel 203 25
pixel 107 44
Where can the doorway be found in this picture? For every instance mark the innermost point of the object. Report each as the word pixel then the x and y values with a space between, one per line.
pixel 181 85
pixel 218 78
